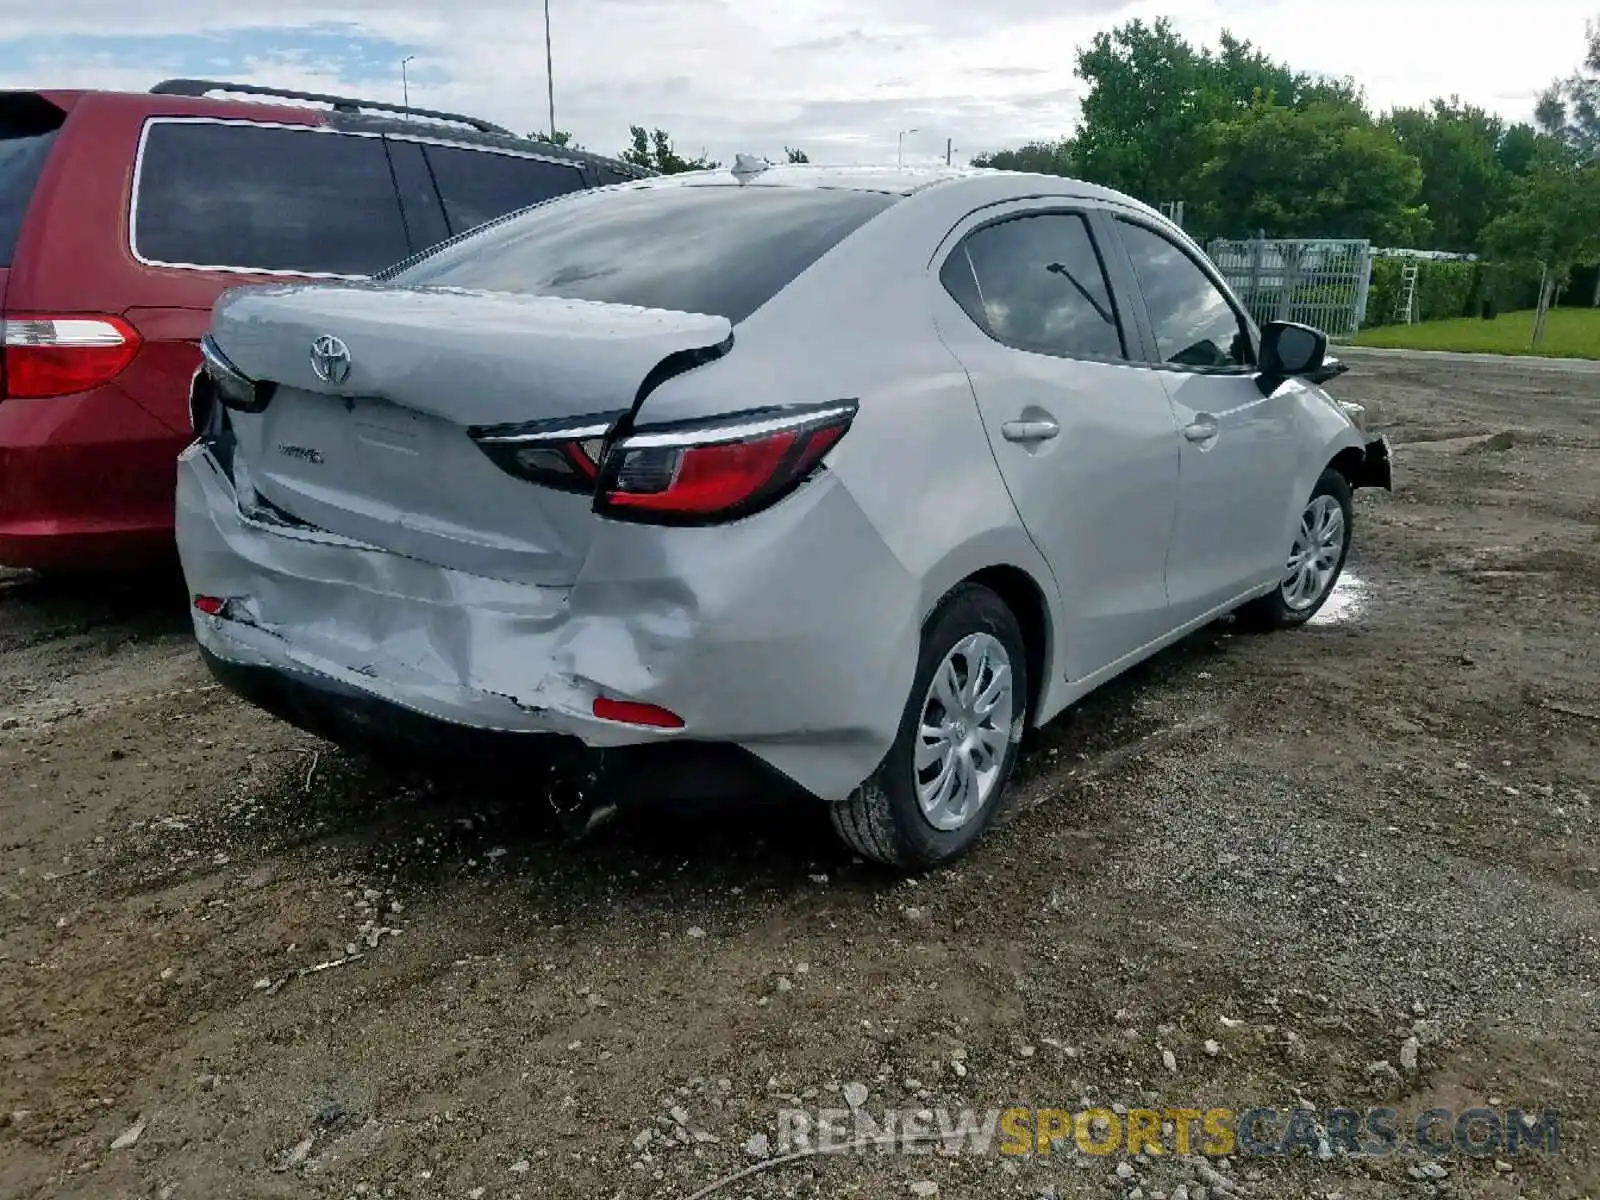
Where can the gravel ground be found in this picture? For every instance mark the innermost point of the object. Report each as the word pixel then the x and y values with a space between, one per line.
pixel 1356 865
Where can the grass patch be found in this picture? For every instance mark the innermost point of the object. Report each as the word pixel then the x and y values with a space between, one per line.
pixel 1569 333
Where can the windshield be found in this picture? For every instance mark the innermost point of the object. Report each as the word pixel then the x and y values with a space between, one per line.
pixel 721 250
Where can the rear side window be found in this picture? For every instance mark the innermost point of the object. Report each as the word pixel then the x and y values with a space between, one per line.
pixel 254 196
pixel 1036 283
pixel 479 185
pixel 722 250
pixel 28 128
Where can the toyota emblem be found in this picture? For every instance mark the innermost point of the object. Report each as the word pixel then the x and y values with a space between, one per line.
pixel 330 359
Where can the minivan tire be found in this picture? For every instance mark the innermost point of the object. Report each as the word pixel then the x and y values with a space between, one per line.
pixel 883 819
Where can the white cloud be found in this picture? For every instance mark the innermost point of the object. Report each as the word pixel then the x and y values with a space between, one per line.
pixel 837 77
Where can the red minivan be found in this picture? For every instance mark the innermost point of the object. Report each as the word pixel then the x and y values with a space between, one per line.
pixel 124 215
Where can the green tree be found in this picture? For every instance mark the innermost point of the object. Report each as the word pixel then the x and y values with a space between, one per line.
pixel 1520 146
pixel 1322 171
pixel 1570 108
pixel 1156 104
pixel 561 137
pixel 1148 101
pixel 1552 225
pixel 654 151
pixel 1464 182
pixel 1044 158
pixel 796 156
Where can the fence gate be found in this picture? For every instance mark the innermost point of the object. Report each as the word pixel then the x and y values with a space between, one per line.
pixel 1317 281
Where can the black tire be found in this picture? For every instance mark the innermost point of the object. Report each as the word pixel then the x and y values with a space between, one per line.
pixel 882 819
pixel 1273 611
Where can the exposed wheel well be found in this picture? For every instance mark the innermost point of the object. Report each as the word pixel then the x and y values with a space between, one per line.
pixel 1348 463
pixel 1022 596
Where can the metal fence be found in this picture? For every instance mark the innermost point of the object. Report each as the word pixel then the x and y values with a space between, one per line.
pixel 1317 281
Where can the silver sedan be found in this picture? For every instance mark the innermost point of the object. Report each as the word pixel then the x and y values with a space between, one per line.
pixel 850 476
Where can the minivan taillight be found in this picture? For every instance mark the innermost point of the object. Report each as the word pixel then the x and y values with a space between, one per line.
pixel 49 356
pixel 700 472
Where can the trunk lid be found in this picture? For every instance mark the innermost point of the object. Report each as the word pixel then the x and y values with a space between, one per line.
pixel 383 454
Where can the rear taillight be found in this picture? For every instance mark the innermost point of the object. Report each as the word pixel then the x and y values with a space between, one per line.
pixel 49 356
pixel 719 470
pixel 233 387
pixel 562 454
pixel 633 712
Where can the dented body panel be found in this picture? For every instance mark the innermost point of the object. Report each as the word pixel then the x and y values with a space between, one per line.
pixel 753 655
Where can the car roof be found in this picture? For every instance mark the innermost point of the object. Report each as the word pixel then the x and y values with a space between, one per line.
pixel 986 184
pixel 196 98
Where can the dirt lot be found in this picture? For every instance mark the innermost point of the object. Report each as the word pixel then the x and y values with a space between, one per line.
pixel 1380 828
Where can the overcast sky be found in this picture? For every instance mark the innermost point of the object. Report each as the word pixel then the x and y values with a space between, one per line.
pixel 838 78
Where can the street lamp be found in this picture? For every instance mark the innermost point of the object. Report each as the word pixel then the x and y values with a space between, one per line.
pixel 900 154
pixel 549 70
pixel 405 86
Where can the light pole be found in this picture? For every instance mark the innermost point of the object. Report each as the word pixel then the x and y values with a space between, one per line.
pixel 549 70
pixel 405 86
pixel 900 153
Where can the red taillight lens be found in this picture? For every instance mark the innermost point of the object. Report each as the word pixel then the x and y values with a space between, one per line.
pixel 632 712
pixel 49 356
pixel 721 470
pixel 212 606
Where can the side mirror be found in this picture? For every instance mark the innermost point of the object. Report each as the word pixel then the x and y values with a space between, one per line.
pixel 1289 349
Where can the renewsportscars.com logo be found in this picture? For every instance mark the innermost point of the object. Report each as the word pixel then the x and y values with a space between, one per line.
pixel 1213 1132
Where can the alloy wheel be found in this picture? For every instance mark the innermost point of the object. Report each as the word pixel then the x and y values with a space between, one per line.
pixel 1314 560
pixel 964 731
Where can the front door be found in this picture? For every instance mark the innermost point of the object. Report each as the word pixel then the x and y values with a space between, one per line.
pixel 1085 440
pixel 1238 448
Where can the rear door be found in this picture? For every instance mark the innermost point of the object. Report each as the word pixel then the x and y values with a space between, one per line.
pixel 478 184
pixel 1085 438
pixel 1240 452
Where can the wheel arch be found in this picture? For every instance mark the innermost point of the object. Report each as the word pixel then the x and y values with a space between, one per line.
pixel 1348 462
pixel 1024 597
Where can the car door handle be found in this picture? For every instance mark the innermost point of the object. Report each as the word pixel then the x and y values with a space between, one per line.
pixel 1202 429
pixel 1029 431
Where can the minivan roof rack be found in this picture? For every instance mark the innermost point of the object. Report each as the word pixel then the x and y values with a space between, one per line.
pixel 347 104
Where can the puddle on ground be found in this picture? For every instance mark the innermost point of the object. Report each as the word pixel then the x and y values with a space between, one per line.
pixel 1347 602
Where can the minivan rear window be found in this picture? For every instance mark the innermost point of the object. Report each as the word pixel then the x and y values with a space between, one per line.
pixel 215 194
pixel 722 250
pixel 479 185
pixel 28 128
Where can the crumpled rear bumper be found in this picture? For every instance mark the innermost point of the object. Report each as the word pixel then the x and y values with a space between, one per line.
pixel 735 629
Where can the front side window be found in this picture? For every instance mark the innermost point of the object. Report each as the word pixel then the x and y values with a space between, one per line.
pixel 479 185
pixel 1036 283
pixel 1194 324
pixel 276 199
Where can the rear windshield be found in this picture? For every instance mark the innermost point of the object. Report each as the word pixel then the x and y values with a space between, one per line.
pixel 28 127
pixel 701 248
